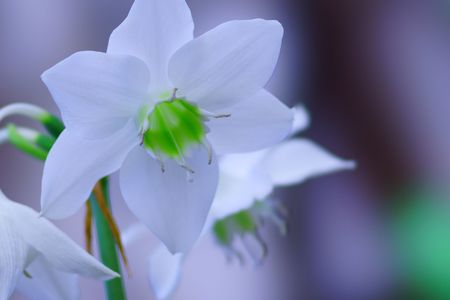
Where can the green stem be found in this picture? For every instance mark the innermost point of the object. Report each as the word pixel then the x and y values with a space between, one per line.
pixel 24 145
pixel 114 288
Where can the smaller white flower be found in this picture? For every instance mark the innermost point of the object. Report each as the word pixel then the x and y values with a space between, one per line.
pixel 252 176
pixel 38 258
pixel 244 179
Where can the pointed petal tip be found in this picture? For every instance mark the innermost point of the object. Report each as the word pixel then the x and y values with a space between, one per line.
pixel 349 165
pixel 109 275
pixel 175 249
pixel 46 213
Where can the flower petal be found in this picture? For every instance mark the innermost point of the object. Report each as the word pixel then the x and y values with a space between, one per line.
pixel 57 248
pixel 153 31
pixel 236 193
pixel 74 165
pixel 301 119
pixel 164 272
pixel 241 164
pixel 228 63
pixel 174 208
pixel 258 122
pixel 48 283
pixel 97 93
pixel 13 256
pixel 296 160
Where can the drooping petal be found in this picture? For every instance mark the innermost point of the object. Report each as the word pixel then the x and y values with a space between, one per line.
pixel 241 164
pixel 153 31
pixel 227 64
pixel 236 193
pixel 48 283
pixel 301 119
pixel 174 208
pixel 164 272
pixel 258 122
pixel 13 256
pixel 134 233
pixel 297 160
pixel 55 246
pixel 75 164
pixel 97 93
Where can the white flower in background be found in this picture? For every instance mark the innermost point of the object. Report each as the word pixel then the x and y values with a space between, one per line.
pixel 39 258
pixel 246 181
pixel 159 105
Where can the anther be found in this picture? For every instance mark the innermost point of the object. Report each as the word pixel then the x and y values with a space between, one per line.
pixel 213 115
pixel 174 94
pixel 27 275
pixel 187 168
pixel 208 147
pixel 161 163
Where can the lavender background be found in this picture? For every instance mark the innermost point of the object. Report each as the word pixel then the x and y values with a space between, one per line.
pixel 375 76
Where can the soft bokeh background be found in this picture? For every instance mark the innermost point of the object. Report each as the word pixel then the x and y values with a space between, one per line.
pixel 375 76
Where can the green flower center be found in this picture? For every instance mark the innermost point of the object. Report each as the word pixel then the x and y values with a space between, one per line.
pixel 173 127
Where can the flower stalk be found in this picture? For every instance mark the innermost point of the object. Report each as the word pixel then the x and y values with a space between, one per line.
pixel 114 288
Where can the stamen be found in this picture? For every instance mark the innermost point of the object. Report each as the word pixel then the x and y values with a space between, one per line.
pixel 187 168
pixel 213 115
pixel 161 163
pixel 208 147
pixel 27 275
pixel 174 94
pixel 262 243
pixel 258 258
pixel 230 253
pixel 279 222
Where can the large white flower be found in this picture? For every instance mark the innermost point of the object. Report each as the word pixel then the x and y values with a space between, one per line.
pixel 159 105
pixel 244 179
pixel 39 258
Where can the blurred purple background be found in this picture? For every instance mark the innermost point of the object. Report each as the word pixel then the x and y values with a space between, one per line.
pixel 375 76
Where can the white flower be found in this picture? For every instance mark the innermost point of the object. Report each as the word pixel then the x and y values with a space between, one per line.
pixel 32 246
pixel 252 176
pixel 158 105
pixel 245 178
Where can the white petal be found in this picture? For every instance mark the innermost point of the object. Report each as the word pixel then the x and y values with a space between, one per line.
pixel 241 164
pixel 229 63
pixel 174 208
pixel 134 233
pixel 164 272
pixel 238 193
pixel 153 31
pixel 97 93
pixel 75 164
pixel 297 160
pixel 48 283
pixel 301 119
pixel 258 122
pixel 57 248
pixel 13 255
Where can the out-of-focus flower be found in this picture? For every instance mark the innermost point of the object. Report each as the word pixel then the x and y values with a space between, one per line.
pixel 159 105
pixel 242 199
pixel 39 258
pixel 252 176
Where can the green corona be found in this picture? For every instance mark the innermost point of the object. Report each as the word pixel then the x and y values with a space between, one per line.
pixel 173 127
